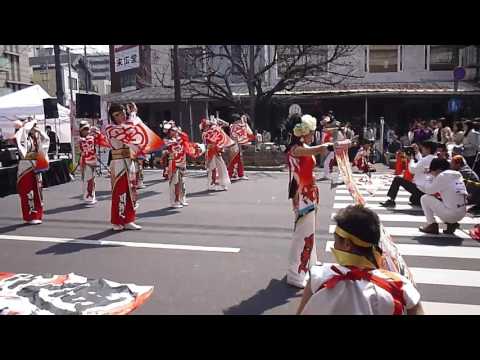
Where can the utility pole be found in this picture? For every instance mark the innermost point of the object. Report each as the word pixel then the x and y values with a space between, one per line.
pixel 177 85
pixel 72 140
pixel 58 74
pixel 251 83
pixel 70 75
pixel 86 70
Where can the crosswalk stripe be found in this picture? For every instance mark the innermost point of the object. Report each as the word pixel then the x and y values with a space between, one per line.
pixel 461 252
pixel 379 207
pixel 446 277
pixel 418 218
pixel 437 308
pixel 411 232
pixel 379 192
pixel 372 198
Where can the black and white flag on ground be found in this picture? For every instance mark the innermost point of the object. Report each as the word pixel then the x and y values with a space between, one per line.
pixel 71 294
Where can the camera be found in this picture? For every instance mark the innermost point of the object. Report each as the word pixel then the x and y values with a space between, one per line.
pixel 409 150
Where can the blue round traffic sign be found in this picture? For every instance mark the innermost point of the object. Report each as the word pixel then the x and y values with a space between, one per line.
pixel 459 73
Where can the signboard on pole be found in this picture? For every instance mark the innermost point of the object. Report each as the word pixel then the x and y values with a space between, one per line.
pixel 126 57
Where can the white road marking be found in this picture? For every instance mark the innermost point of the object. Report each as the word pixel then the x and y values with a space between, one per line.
pixel 379 192
pixel 373 198
pixel 437 308
pixel 379 207
pixel 460 252
pixel 418 218
pixel 446 277
pixel 410 232
pixel 121 243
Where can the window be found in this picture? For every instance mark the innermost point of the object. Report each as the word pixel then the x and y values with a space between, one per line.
pixel 302 55
pixel 128 80
pixel 383 58
pixel 443 57
pixel 190 62
pixel 73 84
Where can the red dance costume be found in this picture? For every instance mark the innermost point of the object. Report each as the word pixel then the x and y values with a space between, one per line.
pixel 241 133
pixel 32 148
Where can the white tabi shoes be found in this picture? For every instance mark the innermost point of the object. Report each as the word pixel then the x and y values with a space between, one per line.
pixel 132 226
pixel 177 205
pixel 33 222
pixel 116 227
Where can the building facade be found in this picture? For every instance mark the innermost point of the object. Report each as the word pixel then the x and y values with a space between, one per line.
pixel 15 71
pixel 76 76
pixel 397 82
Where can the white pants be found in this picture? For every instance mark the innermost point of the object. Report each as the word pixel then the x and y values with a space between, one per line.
pixel 222 173
pixel 88 188
pixel 177 181
pixel 303 251
pixel 432 206
pixel 326 164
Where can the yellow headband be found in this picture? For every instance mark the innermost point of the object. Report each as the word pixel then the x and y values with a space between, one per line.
pixel 346 235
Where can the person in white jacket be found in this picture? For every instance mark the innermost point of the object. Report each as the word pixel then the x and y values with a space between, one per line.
pixel 447 185
pixel 470 143
pixel 424 157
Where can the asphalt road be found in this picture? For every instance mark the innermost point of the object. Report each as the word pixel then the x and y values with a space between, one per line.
pixel 227 252
pixel 253 217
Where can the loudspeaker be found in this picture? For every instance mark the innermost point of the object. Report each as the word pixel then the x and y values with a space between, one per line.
pixel 50 108
pixel 88 106
pixel 65 148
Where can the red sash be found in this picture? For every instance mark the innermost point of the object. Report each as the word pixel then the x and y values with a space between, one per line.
pixel 393 287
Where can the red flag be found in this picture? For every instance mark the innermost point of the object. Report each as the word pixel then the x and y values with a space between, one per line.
pixel 154 142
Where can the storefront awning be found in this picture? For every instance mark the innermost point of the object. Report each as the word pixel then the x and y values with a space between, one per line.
pixel 160 94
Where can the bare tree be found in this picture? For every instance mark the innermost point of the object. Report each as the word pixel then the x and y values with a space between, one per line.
pixel 228 72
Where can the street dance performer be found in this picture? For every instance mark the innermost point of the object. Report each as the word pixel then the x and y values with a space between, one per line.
pixel 216 141
pixel 125 139
pixel 361 160
pixel 139 157
pixel 305 197
pixel 32 146
pixel 89 138
pixel 241 133
pixel 178 146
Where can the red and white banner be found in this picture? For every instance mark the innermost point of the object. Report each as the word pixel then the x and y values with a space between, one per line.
pixel 71 294
pixel 392 259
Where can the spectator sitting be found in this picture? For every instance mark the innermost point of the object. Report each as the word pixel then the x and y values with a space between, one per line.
pixel 361 160
pixel 418 171
pixel 449 186
pixel 356 285
pixel 471 180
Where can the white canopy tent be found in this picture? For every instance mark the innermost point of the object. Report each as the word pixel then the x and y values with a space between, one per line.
pixel 29 102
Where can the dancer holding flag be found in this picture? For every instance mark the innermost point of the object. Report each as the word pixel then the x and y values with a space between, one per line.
pixel 32 146
pixel 126 140
pixel 305 196
pixel 216 141
pixel 241 133
pixel 178 147
pixel 89 138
